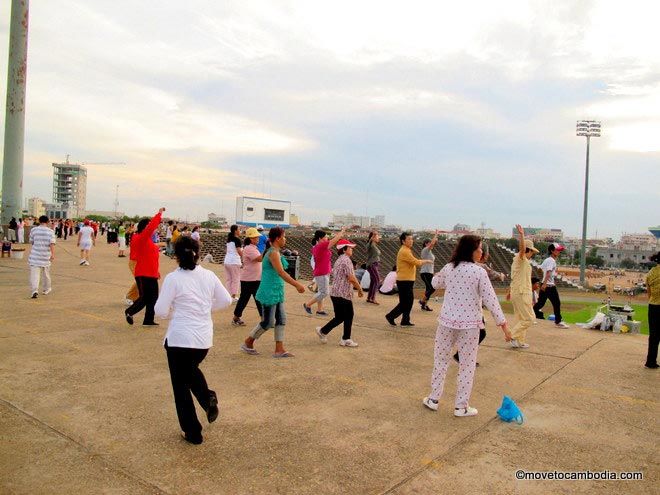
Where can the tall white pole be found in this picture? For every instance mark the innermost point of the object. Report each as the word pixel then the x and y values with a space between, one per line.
pixel 583 253
pixel 12 165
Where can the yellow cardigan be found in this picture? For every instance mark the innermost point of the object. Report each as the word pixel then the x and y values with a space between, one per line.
pixel 406 265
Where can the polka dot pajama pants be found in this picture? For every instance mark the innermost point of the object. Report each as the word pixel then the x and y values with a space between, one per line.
pixel 467 341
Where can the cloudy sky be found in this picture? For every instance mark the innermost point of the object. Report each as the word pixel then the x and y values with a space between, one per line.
pixel 427 112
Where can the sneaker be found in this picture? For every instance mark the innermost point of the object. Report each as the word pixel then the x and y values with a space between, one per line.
pixel 129 318
pixel 128 302
pixel 322 313
pixel 322 337
pixel 409 324
pixel 561 324
pixel 86 263
pixel 47 291
pixel 150 324
pixel 35 294
pixel 426 308
pixel 390 321
pixel 430 403
pixel 238 323
pixel 347 343
pixel 234 300
pixel 523 345
pixel 514 344
pixel 82 262
pixel 307 309
pixel 213 411
pixel 465 411
pixel 194 439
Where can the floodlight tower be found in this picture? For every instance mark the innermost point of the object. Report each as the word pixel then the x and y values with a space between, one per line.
pixel 589 129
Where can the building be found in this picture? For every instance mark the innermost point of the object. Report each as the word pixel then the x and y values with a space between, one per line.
pixel 364 222
pixel 613 256
pixel 486 233
pixel 269 213
pixel 219 219
pixel 378 221
pixel 69 189
pixel 461 228
pixel 540 234
pixel 643 241
pixel 655 231
pixel 35 207
pixel 294 219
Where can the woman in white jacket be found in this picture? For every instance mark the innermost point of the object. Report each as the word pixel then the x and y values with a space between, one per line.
pixel 467 288
pixel 191 293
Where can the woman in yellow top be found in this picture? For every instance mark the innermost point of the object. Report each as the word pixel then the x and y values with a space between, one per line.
pixel 406 272
pixel 653 288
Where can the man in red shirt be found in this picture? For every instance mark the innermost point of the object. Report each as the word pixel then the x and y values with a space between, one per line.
pixel 147 257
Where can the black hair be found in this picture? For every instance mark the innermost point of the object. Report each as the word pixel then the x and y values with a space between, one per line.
pixel 551 248
pixel 535 280
pixel 343 249
pixel 426 242
pixel 394 268
pixel 402 237
pixel 232 237
pixel 318 235
pixel 43 219
pixel 275 233
pixel 655 258
pixel 195 228
pixel 142 224
pixel 363 266
pixel 467 245
pixel 246 241
pixel 186 250
pixel 371 234
pixel 170 222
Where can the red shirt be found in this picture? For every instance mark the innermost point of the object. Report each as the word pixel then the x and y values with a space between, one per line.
pixel 145 252
pixel 322 257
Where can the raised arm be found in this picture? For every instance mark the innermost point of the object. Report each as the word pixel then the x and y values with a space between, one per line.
pixel 521 241
pixel 154 223
pixel 333 242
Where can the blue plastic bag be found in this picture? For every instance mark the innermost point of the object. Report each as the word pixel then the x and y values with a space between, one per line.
pixel 509 411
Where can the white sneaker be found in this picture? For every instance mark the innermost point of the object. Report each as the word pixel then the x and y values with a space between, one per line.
pixel 35 294
pixel 430 403
pixel 128 302
pixel 82 262
pixel 465 411
pixel 347 343
pixel 234 300
pixel 86 263
pixel 322 337
pixel 47 291
pixel 514 344
pixel 561 324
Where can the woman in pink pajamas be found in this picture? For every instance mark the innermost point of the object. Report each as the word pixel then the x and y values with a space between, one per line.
pixel 467 288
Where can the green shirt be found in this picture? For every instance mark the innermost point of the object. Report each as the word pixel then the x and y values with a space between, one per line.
pixel 271 288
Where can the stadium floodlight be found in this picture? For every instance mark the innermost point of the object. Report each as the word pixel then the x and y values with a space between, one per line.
pixel 588 129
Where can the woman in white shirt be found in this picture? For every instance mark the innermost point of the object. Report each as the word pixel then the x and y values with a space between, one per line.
pixel 233 262
pixel 86 239
pixel 467 287
pixel 191 293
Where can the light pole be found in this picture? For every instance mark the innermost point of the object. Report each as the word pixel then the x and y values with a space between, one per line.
pixel 589 129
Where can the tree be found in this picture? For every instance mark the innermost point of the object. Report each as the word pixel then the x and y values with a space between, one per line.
pixel 627 263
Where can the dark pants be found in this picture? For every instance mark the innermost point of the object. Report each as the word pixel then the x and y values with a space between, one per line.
pixel 654 334
pixel 186 378
pixel 148 290
pixel 374 278
pixel 552 294
pixel 343 314
pixel 247 289
pixel 406 300
pixel 426 278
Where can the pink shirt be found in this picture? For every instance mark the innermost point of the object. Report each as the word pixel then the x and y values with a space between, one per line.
pixel 467 288
pixel 322 258
pixel 251 271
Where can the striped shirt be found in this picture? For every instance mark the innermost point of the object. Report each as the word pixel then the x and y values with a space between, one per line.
pixel 41 238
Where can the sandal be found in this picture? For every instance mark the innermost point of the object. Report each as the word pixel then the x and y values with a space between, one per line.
pixel 249 350
pixel 284 354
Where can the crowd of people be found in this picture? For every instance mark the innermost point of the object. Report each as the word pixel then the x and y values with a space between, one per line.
pixel 255 267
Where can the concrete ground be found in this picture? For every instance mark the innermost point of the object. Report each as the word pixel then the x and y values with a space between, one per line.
pixel 86 404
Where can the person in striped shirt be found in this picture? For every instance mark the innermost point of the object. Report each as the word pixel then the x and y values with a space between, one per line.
pixel 42 254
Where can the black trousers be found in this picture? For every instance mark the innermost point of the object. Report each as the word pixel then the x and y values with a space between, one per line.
pixel 343 314
pixel 654 334
pixel 186 378
pixel 148 290
pixel 426 278
pixel 248 289
pixel 406 300
pixel 552 294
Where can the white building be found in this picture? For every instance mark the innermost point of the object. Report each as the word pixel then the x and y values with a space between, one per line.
pixel 364 222
pixel 641 241
pixel 35 207
pixel 69 188
pixel 266 212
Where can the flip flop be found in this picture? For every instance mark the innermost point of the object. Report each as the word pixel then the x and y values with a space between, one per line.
pixel 249 350
pixel 322 313
pixel 282 355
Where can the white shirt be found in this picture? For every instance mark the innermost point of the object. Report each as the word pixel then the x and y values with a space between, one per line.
pixel 232 257
pixel 195 235
pixel 168 232
pixel 467 288
pixel 365 281
pixel 192 295
pixel 86 234
pixel 549 265
pixel 389 282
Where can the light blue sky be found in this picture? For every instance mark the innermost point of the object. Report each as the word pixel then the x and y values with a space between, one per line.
pixel 426 112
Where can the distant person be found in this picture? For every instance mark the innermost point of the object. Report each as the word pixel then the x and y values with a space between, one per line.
pixel 232 262
pixel 388 287
pixel 147 269
pixel 467 288
pixel 121 240
pixel 169 247
pixel 548 289
pixel 41 256
pixel 250 275
pixel 263 239
pixel 536 285
pixel 406 272
pixel 191 293
pixel 520 290
pixel 86 239
pixel 194 235
pixel 20 232
pixel 653 288
pixel 373 263
pixel 11 230
pixel 271 295
pixel 6 247
pixel 365 281
pixel 359 272
pixel 322 267
pixel 426 271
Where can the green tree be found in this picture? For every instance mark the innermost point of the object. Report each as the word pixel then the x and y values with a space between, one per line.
pixel 627 263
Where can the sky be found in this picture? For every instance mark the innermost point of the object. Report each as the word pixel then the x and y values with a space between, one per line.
pixel 430 113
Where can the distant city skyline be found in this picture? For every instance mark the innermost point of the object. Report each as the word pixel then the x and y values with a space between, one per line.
pixel 426 113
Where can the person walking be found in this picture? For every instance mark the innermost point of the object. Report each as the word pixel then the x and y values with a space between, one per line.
pixel 467 287
pixel 42 254
pixel 20 231
pixel 250 275
pixel 190 293
pixel 426 271
pixel 520 290
pixel 406 272
pixel 169 248
pixel 11 230
pixel 271 295
pixel 146 255
pixel 233 262
pixel 86 239
pixel 341 294
pixel 653 288
pixel 121 240
pixel 194 234
pixel 548 289
pixel 373 264
pixel 322 253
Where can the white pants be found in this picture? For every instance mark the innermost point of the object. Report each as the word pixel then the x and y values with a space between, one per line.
pixel 467 341
pixel 35 277
pixel 21 235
